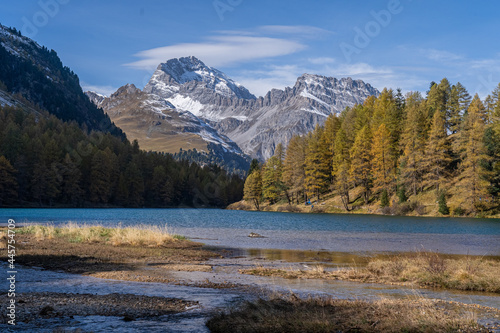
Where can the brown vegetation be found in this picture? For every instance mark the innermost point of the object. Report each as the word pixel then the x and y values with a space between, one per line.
pixel 422 269
pixel 333 315
pixel 136 254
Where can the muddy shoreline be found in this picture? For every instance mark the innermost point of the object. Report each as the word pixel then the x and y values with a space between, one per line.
pixel 180 263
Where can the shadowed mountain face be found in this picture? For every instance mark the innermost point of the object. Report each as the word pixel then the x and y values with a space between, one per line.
pixel 38 74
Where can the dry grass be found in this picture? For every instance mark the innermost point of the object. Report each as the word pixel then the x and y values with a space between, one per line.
pixel 90 250
pixel 142 235
pixel 291 314
pixel 422 269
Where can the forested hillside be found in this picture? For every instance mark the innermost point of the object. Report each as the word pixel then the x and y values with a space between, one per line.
pixel 437 154
pixel 45 162
pixel 38 74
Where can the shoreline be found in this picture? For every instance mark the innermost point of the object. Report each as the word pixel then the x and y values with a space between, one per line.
pixel 326 209
pixel 180 262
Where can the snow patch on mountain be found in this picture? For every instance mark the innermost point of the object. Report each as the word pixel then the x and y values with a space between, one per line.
pixel 186 103
pixel 306 94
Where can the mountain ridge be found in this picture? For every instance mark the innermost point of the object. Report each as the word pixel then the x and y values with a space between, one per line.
pixel 257 125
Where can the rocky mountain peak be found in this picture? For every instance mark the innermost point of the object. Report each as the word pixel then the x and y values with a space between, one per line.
pixel 190 73
pixel 126 90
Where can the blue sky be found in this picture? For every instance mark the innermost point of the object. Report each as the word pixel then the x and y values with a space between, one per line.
pixel 268 44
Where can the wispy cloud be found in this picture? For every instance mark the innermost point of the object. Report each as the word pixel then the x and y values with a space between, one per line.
pixel 441 56
pixel 296 30
pixel 259 82
pixel 360 69
pixel 221 50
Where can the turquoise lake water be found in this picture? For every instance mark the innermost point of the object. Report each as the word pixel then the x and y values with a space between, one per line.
pixel 332 232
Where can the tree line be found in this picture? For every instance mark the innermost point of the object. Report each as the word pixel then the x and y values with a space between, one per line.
pixel 46 162
pixel 393 147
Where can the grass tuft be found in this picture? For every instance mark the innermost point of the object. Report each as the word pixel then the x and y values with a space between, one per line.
pixel 143 235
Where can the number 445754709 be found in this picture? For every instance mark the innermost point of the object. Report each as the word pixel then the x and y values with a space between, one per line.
pixel 11 250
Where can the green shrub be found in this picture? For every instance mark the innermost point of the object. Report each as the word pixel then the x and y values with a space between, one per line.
pixel 443 207
pixel 458 211
pixel 384 200
pixel 402 194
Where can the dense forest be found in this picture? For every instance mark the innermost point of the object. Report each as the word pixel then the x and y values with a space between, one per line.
pixel 45 162
pixel 393 149
pixel 231 162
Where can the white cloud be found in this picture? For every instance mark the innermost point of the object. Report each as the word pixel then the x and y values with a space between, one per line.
pixel 221 50
pixel 260 82
pixel 297 30
pixel 441 56
pixel 103 90
pixel 359 69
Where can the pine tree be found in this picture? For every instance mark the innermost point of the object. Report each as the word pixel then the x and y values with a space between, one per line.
pixel 437 154
pixel 474 177
pixel 389 111
pixel 341 167
pixel 360 168
pixel 342 183
pixel 72 191
pixel 8 182
pixel 135 185
pixel 437 99
pixel 294 166
pixel 271 180
pixel 162 187
pixel 101 174
pixel 413 143
pixel 317 164
pixel 384 199
pixel 254 165
pixel 253 188
pixel 382 166
pixel 121 196
pixel 443 206
pixel 331 127
pixel 458 103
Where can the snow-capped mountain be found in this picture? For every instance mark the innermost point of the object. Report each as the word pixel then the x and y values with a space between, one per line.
pixel 197 93
pixel 189 84
pixel 257 125
pixel 281 114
